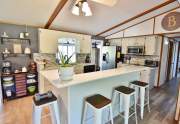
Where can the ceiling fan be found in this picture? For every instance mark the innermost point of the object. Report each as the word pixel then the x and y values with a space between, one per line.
pixel 81 7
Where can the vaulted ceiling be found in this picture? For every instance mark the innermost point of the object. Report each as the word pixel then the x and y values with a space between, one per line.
pixel 38 12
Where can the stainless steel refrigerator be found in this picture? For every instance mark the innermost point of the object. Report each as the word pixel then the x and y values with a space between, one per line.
pixel 108 57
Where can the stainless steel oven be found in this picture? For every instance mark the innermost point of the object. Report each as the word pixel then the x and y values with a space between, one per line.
pixel 135 50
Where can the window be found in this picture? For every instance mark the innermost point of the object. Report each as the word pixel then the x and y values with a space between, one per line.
pixel 67 46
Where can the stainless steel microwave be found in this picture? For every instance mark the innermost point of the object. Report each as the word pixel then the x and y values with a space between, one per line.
pixel 136 50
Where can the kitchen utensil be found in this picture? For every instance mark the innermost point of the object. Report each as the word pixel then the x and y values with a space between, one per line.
pixel 8 93
pixel 8 85
pixel 31 89
pixel 4 34
pixel 6 64
pixel 27 50
pixel 6 51
pixel 29 81
pixel 6 70
pixel 16 71
pixel 7 78
pixel 31 75
pixel 26 34
pixel 24 69
pixel 21 35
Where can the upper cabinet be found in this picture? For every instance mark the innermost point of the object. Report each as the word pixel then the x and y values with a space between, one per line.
pixel 85 44
pixel 115 42
pixel 48 41
pixel 153 45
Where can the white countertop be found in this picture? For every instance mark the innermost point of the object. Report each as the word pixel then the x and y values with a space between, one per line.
pixel 53 77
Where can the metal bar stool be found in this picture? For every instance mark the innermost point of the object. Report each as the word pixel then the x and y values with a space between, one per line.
pixel 98 103
pixel 52 103
pixel 144 94
pixel 125 94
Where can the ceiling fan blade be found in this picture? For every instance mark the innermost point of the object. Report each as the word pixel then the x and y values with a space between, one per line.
pixel 106 2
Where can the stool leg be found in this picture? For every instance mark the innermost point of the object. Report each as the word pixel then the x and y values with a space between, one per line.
pixel 120 103
pixel 148 99
pixel 84 113
pixel 137 93
pixel 114 96
pixel 98 116
pixel 36 115
pixel 55 113
pixel 111 114
pixel 126 113
pixel 135 109
pixel 142 98
pixel 53 117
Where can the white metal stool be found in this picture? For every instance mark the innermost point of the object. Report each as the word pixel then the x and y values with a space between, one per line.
pixel 125 93
pixel 144 94
pixel 52 104
pixel 98 103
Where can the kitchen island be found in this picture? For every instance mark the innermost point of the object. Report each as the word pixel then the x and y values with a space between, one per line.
pixel 71 94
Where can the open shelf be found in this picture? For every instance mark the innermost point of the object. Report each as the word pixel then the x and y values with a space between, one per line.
pixel 5 39
pixel 4 56
pixel 20 85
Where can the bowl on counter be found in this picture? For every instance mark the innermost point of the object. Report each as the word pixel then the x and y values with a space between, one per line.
pixel 31 89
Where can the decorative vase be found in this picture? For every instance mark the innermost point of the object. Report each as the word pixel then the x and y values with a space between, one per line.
pixel 66 73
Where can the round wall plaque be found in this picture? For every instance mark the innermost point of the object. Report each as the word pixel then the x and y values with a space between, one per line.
pixel 171 21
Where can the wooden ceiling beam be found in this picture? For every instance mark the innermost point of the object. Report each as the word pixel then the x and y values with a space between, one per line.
pixel 55 13
pixel 137 16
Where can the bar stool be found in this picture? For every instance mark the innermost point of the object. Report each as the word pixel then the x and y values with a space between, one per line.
pixel 144 94
pixel 52 104
pixel 98 103
pixel 126 93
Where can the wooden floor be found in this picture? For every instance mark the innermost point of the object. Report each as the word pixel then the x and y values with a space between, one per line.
pixel 163 103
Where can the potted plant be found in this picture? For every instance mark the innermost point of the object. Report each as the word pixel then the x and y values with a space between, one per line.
pixel 66 70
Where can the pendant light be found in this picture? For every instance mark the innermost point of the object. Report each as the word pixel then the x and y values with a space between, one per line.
pixel 86 9
pixel 75 10
pixel 81 8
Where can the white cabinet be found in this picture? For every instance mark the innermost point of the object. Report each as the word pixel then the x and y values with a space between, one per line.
pixel 150 76
pixel 115 42
pixel 125 43
pixel 140 41
pixel 153 45
pixel 85 44
pixel 48 41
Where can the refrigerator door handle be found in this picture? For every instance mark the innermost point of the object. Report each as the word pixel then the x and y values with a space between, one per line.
pixel 107 57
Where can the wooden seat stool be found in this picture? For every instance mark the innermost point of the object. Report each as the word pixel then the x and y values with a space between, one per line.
pixel 124 94
pixel 98 103
pixel 144 94
pixel 52 104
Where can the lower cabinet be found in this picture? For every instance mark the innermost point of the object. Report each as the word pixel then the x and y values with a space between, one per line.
pixel 18 85
pixel 150 77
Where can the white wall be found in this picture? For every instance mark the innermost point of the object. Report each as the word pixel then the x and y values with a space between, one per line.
pixel 145 28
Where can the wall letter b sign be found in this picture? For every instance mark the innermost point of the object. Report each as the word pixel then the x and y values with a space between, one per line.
pixel 171 21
